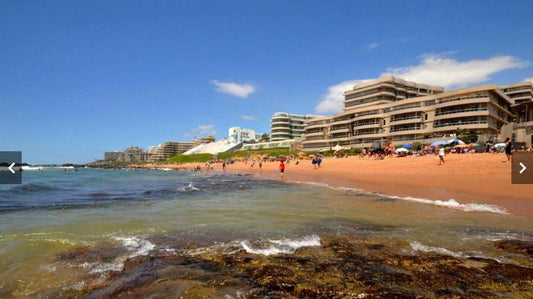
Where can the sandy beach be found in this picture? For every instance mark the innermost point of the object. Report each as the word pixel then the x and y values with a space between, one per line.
pixel 466 178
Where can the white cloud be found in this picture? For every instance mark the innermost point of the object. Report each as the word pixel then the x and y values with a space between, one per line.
pixel 333 101
pixel 372 46
pixel 441 70
pixel 248 117
pixel 529 79
pixel 238 90
pixel 201 131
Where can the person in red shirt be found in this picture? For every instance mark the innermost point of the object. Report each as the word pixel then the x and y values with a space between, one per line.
pixel 282 168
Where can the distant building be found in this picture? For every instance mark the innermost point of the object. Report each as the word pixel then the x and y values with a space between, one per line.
pixel 131 154
pixel 170 149
pixel 238 135
pixel 113 156
pixel 285 126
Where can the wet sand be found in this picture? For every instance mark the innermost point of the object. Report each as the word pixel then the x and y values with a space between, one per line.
pixel 466 178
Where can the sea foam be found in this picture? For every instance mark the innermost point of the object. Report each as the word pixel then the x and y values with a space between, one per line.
pixel 451 203
pixel 265 247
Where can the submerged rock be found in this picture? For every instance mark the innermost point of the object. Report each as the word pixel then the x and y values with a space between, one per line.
pixel 341 267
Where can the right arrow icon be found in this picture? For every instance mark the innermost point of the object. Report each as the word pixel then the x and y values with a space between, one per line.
pixel 523 167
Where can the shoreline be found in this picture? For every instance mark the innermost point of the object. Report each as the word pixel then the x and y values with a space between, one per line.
pixel 466 178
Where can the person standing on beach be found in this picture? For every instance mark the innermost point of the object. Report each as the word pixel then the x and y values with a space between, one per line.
pixel 224 165
pixel 281 168
pixel 508 149
pixel 441 155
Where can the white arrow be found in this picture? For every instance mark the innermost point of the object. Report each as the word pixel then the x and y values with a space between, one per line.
pixel 523 167
pixel 11 167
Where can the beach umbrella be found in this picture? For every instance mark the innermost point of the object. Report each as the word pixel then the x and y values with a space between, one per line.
pixel 338 148
pixel 458 141
pixel 437 143
pixel 499 145
pixel 401 150
pixel 407 146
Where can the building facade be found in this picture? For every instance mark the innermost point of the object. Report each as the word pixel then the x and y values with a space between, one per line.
pixel 521 95
pixel 131 154
pixel 285 126
pixel 169 149
pixel 390 110
pixel 238 135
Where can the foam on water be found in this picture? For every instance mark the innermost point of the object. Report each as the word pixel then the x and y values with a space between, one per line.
pixel 138 247
pixel 451 203
pixel 417 246
pixel 285 246
pixel 267 247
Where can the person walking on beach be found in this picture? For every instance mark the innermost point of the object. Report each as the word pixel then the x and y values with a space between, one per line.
pixel 224 165
pixel 441 155
pixel 261 164
pixel 281 168
pixel 509 149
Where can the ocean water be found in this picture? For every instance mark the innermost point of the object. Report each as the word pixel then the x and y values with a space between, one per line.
pixel 66 234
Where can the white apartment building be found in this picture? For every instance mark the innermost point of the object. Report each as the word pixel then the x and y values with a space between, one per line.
pixel 284 126
pixel 238 135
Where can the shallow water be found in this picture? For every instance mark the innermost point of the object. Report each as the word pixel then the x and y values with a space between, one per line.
pixel 70 233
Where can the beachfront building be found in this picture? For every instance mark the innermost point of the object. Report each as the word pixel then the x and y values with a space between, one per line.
pixel 521 95
pixel 131 154
pixel 240 135
pixel 284 126
pixel 169 149
pixel 291 144
pixel 390 110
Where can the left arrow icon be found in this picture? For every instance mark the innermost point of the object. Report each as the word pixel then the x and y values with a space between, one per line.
pixel 11 167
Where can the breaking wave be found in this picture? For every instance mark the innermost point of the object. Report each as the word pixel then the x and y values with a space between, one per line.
pixel 451 203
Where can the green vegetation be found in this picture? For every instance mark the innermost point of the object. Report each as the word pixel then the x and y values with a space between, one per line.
pixel 417 146
pixel 278 151
pixel 202 158
pixel 467 135
pixel 190 159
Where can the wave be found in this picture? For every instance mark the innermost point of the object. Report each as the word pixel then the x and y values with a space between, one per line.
pixel 136 246
pixel 451 203
pixel 28 188
pixel 263 247
pixel 286 246
pixel 417 246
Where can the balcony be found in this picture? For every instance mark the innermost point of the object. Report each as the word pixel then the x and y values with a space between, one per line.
pixel 368 133
pixel 402 129
pixel 395 109
pixel 397 119
pixel 460 123
pixel 461 111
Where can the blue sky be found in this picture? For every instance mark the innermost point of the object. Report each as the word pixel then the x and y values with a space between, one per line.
pixel 78 78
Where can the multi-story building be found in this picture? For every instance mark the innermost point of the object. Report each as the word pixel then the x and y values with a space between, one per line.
pixel 170 149
pixel 131 154
pixel 521 95
pixel 285 126
pixel 238 135
pixel 392 110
